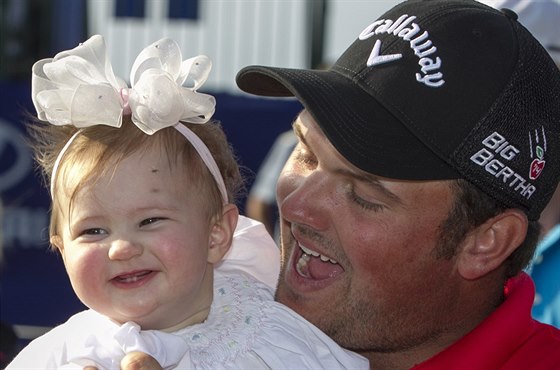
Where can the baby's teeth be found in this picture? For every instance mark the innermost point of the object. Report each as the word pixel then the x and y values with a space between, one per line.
pixel 130 279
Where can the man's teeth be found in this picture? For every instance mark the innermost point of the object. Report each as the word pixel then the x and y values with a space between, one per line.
pixel 308 252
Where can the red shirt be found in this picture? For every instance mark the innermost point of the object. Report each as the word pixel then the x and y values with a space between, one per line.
pixel 507 339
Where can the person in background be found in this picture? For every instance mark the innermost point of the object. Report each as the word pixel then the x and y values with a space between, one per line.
pixel 542 18
pixel 261 202
pixel 143 190
pixel 8 336
pixel 8 344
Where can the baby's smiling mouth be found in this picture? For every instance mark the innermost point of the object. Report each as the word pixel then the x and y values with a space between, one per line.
pixel 313 265
pixel 132 277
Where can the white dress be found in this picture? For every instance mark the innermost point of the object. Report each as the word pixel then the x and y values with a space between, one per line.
pixel 245 329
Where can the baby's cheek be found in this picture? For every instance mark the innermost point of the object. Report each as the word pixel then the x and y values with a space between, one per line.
pixel 85 269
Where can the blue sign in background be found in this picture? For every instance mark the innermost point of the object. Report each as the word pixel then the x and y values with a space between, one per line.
pixel 34 288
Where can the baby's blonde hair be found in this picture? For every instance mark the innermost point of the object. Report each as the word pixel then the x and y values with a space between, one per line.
pixel 98 149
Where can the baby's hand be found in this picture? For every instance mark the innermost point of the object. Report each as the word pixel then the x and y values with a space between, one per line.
pixel 138 361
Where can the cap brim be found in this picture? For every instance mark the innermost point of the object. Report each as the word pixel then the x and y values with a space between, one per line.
pixel 357 125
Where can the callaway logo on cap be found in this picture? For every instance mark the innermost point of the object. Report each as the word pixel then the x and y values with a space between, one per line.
pixel 438 89
pixel 419 42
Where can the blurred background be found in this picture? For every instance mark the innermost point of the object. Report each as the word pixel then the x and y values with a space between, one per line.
pixel 34 291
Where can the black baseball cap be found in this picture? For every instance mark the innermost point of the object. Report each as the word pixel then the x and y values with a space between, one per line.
pixel 438 89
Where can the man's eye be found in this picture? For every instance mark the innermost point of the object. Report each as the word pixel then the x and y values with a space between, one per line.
pixel 367 205
pixel 363 203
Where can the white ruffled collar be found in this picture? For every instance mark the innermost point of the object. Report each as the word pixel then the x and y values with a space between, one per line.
pixel 235 317
pixel 106 346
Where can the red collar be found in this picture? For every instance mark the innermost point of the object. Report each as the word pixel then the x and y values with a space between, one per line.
pixel 492 342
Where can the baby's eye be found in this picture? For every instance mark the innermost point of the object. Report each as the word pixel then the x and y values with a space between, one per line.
pixel 93 231
pixel 150 220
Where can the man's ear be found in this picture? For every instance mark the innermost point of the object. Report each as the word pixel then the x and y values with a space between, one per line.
pixel 490 244
pixel 221 235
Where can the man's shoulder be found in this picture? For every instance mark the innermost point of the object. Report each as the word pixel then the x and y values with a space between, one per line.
pixel 540 350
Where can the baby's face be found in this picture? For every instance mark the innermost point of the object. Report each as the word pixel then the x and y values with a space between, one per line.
pixel 136 245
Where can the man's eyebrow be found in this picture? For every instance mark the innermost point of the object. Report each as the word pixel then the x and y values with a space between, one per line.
pixel 298 132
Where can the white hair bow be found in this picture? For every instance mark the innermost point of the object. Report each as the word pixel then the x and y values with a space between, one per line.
pixel 78 87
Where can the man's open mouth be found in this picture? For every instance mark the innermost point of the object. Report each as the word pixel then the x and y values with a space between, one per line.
pixel 313 265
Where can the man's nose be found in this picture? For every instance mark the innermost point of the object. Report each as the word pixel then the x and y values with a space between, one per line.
pixel 305 199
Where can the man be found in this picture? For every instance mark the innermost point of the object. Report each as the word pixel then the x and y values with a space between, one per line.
pixel 411 203
pixel 444 117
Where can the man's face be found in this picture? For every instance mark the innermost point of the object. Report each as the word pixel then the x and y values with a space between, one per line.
pixel 358 250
